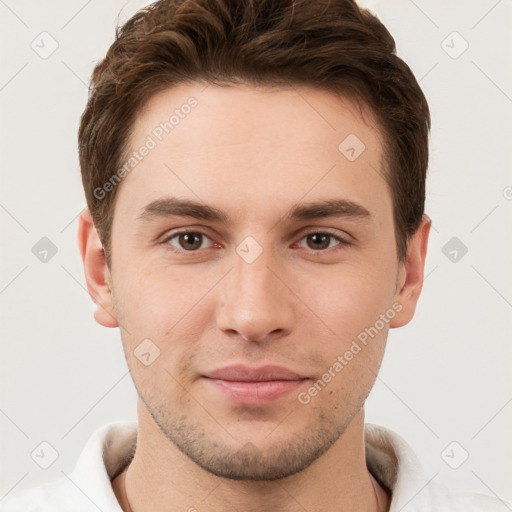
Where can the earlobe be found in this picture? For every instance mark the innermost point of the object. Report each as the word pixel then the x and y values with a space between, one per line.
pixel 97 274
pixel 411 274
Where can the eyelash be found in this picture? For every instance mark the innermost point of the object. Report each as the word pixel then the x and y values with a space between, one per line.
pixel 165 241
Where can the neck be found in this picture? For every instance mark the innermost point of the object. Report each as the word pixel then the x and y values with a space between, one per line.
pixel 160 474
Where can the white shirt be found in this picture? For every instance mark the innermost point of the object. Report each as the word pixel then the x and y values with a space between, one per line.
pixel 88 487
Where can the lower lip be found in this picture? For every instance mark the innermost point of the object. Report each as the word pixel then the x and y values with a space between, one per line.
pixel 256 393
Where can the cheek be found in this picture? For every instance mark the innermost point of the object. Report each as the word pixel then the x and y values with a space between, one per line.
pixel 153 299
pixel 163 313
pixel 162 365
pixel 348 298
pixel 349 303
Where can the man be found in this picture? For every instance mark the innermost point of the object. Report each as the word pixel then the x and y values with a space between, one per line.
pixel 255 180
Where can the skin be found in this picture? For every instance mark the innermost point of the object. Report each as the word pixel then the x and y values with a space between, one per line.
pixel 253 153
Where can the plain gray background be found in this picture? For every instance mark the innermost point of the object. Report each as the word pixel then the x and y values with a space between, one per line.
pixel 445 383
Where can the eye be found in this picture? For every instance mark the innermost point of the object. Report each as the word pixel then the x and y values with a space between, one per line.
pixel 189 241
pixel 192 241
pixel 320 241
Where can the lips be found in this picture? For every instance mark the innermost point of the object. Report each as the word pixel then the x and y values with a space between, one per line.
pixel 241 373
pixel 254 386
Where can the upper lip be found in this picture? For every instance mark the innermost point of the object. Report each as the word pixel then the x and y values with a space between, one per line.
pixel 240 373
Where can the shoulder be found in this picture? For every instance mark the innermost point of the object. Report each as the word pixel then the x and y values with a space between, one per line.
pixel 49 497
pixel 394 464
pixel 88 487
pixel 462 501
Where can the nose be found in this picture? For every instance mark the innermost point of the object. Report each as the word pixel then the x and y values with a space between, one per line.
pixel 256 300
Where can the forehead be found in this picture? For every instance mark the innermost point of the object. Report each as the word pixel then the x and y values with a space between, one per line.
pixel 235 112
pixel 252 143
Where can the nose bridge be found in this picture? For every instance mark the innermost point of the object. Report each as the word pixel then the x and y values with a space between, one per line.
pixel 255 302
pixel 254 279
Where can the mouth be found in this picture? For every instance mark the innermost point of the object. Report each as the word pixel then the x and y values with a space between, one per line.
pixel 254 386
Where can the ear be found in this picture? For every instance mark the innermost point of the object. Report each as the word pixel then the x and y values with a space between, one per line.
pixel 410 275
pixel 97 274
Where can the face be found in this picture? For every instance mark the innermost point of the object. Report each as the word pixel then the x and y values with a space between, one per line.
pixel 253 276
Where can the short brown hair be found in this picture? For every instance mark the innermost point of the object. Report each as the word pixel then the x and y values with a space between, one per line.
pixel 329 44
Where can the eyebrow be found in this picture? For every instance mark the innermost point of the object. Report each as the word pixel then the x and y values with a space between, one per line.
pixel 174 206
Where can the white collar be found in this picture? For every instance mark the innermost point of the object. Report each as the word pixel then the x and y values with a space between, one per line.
pixel 110 448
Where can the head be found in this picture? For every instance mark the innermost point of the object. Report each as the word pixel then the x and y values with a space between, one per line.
pixel 302 140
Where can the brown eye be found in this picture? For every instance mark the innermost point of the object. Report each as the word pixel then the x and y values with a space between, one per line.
pixel 320 241
pixel 188 241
